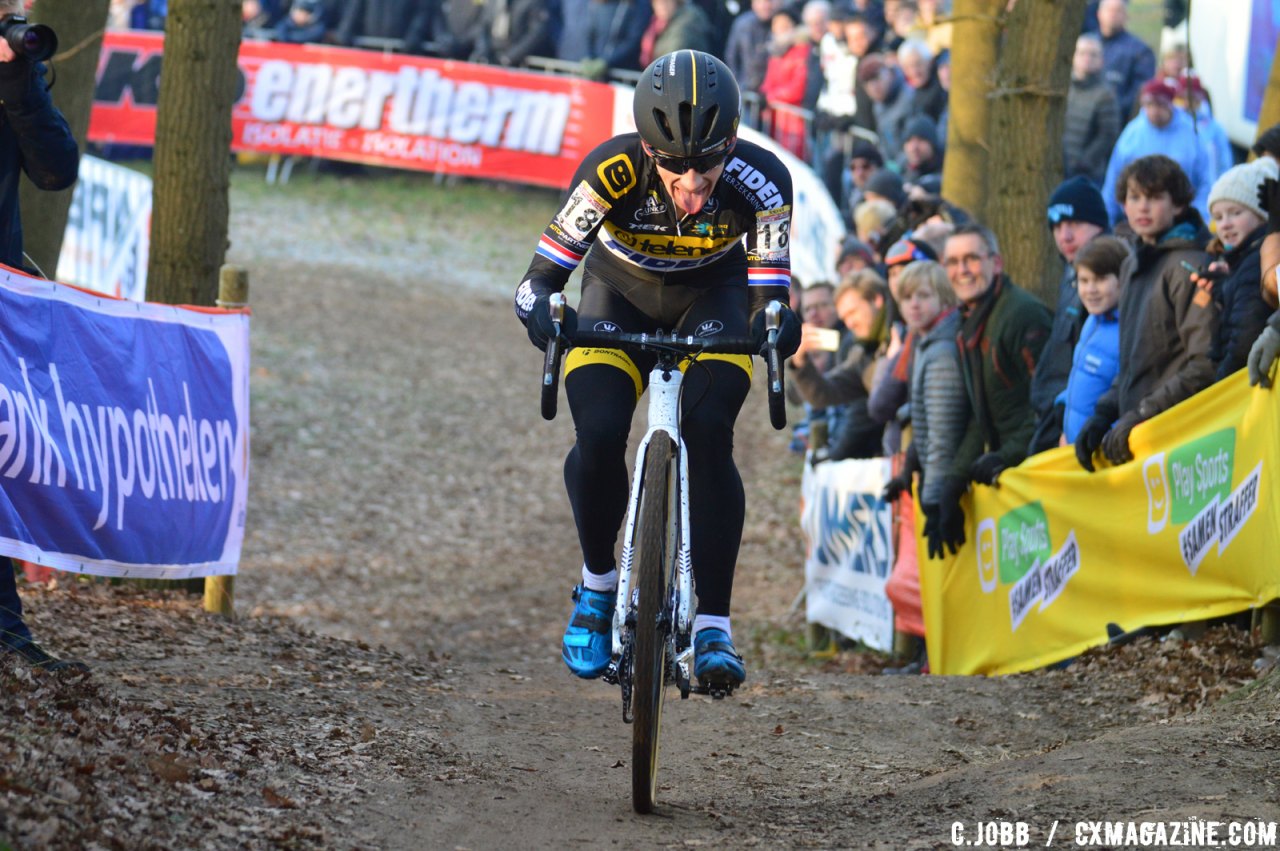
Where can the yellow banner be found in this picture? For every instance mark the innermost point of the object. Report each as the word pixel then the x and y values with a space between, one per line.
pixel 1188 530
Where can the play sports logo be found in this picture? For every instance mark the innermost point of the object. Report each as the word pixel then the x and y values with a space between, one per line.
pixel 1016 551
pixel 1190 486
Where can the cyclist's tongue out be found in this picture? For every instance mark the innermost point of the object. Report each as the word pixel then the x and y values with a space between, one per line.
pixel 690 191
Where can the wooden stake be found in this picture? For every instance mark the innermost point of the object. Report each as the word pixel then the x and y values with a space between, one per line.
pixel 233 291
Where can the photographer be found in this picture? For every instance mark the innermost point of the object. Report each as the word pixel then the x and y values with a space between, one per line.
pixel 34 138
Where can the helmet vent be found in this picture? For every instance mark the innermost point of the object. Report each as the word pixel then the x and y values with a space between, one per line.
pixel 709 123
pixel 664 126
pixel 686 120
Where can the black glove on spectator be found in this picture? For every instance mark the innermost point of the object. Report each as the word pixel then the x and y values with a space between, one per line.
pixel 542 329
pixel 1089 440
pixel 897 486
pixel 987 469
pixel 1269 200
pixel 933 529
pixel 1115 445
pixel 788 332
pixel 951 515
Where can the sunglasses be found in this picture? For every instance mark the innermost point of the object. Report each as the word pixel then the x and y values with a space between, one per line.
pixel 679 165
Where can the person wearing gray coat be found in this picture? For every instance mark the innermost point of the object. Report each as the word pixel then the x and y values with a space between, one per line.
pixel 939 404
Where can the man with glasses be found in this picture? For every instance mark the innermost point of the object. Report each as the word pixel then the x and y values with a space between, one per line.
pixel 683 227
pixel 1003 329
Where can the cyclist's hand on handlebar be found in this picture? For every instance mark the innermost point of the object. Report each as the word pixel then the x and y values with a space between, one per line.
pixel 542 329
pixel 788 332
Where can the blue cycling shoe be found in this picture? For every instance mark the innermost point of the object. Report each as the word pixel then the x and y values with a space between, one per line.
pixel 716 662
pixel 588 640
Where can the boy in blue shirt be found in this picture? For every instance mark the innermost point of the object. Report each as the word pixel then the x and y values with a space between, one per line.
pixel 1096 358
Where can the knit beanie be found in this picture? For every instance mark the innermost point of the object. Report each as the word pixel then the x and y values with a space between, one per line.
pixel 887 185
pixel 921 126
pixel 1078 200
pixel 1240 184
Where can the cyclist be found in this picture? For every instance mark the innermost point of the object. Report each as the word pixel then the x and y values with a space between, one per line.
pixel 683 227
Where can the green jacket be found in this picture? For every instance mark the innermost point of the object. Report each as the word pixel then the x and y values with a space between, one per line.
pixel 1000 340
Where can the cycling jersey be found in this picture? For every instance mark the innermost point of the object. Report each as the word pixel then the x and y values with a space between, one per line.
pixel 618 204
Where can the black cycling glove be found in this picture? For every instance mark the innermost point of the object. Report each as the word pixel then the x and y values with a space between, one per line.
pixel 788 332
pixel 540 327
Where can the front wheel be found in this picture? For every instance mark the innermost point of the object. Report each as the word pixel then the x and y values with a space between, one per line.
pixel 651 627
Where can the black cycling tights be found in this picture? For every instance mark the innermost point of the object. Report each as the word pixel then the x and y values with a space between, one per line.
pixel 603 399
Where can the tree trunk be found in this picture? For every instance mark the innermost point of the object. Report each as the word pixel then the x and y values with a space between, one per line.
pixel 193 151
pixel 79 25
pixel 974 42
pixel 1027 110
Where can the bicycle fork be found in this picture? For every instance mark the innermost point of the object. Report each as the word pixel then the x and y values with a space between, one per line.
pixel 664 414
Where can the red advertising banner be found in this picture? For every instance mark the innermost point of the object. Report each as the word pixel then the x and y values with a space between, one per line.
pixel 377 108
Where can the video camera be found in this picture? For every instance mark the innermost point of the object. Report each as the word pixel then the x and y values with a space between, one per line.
pixel 35 42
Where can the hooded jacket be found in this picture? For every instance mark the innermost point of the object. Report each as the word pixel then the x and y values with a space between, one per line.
pixel 1167 324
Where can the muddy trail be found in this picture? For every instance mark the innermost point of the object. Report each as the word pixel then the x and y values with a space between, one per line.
pixel 393 680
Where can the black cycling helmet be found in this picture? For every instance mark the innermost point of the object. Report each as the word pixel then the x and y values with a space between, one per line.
pixel 687 105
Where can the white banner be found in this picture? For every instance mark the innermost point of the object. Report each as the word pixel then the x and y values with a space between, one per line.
pixel 124 432
pixel 108 235
pixel 1234 44
pixel 849 529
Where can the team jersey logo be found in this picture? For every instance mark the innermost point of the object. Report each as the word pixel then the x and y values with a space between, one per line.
pixel 711 326
pixel 606 326
pixel 653 206
pixel 618 175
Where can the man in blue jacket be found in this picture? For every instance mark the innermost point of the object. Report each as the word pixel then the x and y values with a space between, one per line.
pixel 1127 61
pixel 34 138
pixel 1161 128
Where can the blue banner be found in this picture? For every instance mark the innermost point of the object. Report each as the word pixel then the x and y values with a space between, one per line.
pixel 123 432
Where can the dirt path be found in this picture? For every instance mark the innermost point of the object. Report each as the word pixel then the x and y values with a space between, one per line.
pixel 405 493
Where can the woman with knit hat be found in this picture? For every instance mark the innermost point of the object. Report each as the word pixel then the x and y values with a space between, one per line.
pixel 1239 227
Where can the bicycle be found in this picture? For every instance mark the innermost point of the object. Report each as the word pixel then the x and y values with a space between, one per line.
pixel 652 618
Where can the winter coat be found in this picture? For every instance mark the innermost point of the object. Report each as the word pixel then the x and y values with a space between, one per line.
pixel 35 139
pixel 1090 129
pixel 604 29
pixel 1094 366
pixel 890 394
pixel 1000 340
pixel 1127 63
pixel 940 409
pixel 847 387
pixel 785 82
pixel 1242 312
pixel 1167 324
pixel 892 116
pixel 404 19
pixel 688 29
pixel 1177 140
pixel 1055 360
pixel 746 51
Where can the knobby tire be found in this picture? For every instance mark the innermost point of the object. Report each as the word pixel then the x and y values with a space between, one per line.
pixel 651 571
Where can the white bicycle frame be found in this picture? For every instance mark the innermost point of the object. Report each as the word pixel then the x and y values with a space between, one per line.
pixel 664 416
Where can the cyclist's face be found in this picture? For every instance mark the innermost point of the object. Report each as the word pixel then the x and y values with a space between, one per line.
pixel 692 189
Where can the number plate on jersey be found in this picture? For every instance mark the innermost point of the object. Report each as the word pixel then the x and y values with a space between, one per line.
pixel 582 213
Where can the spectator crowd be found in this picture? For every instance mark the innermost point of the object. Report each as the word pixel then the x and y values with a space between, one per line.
pixel 923 349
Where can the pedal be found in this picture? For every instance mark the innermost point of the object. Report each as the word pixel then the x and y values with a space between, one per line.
pixel 717 691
